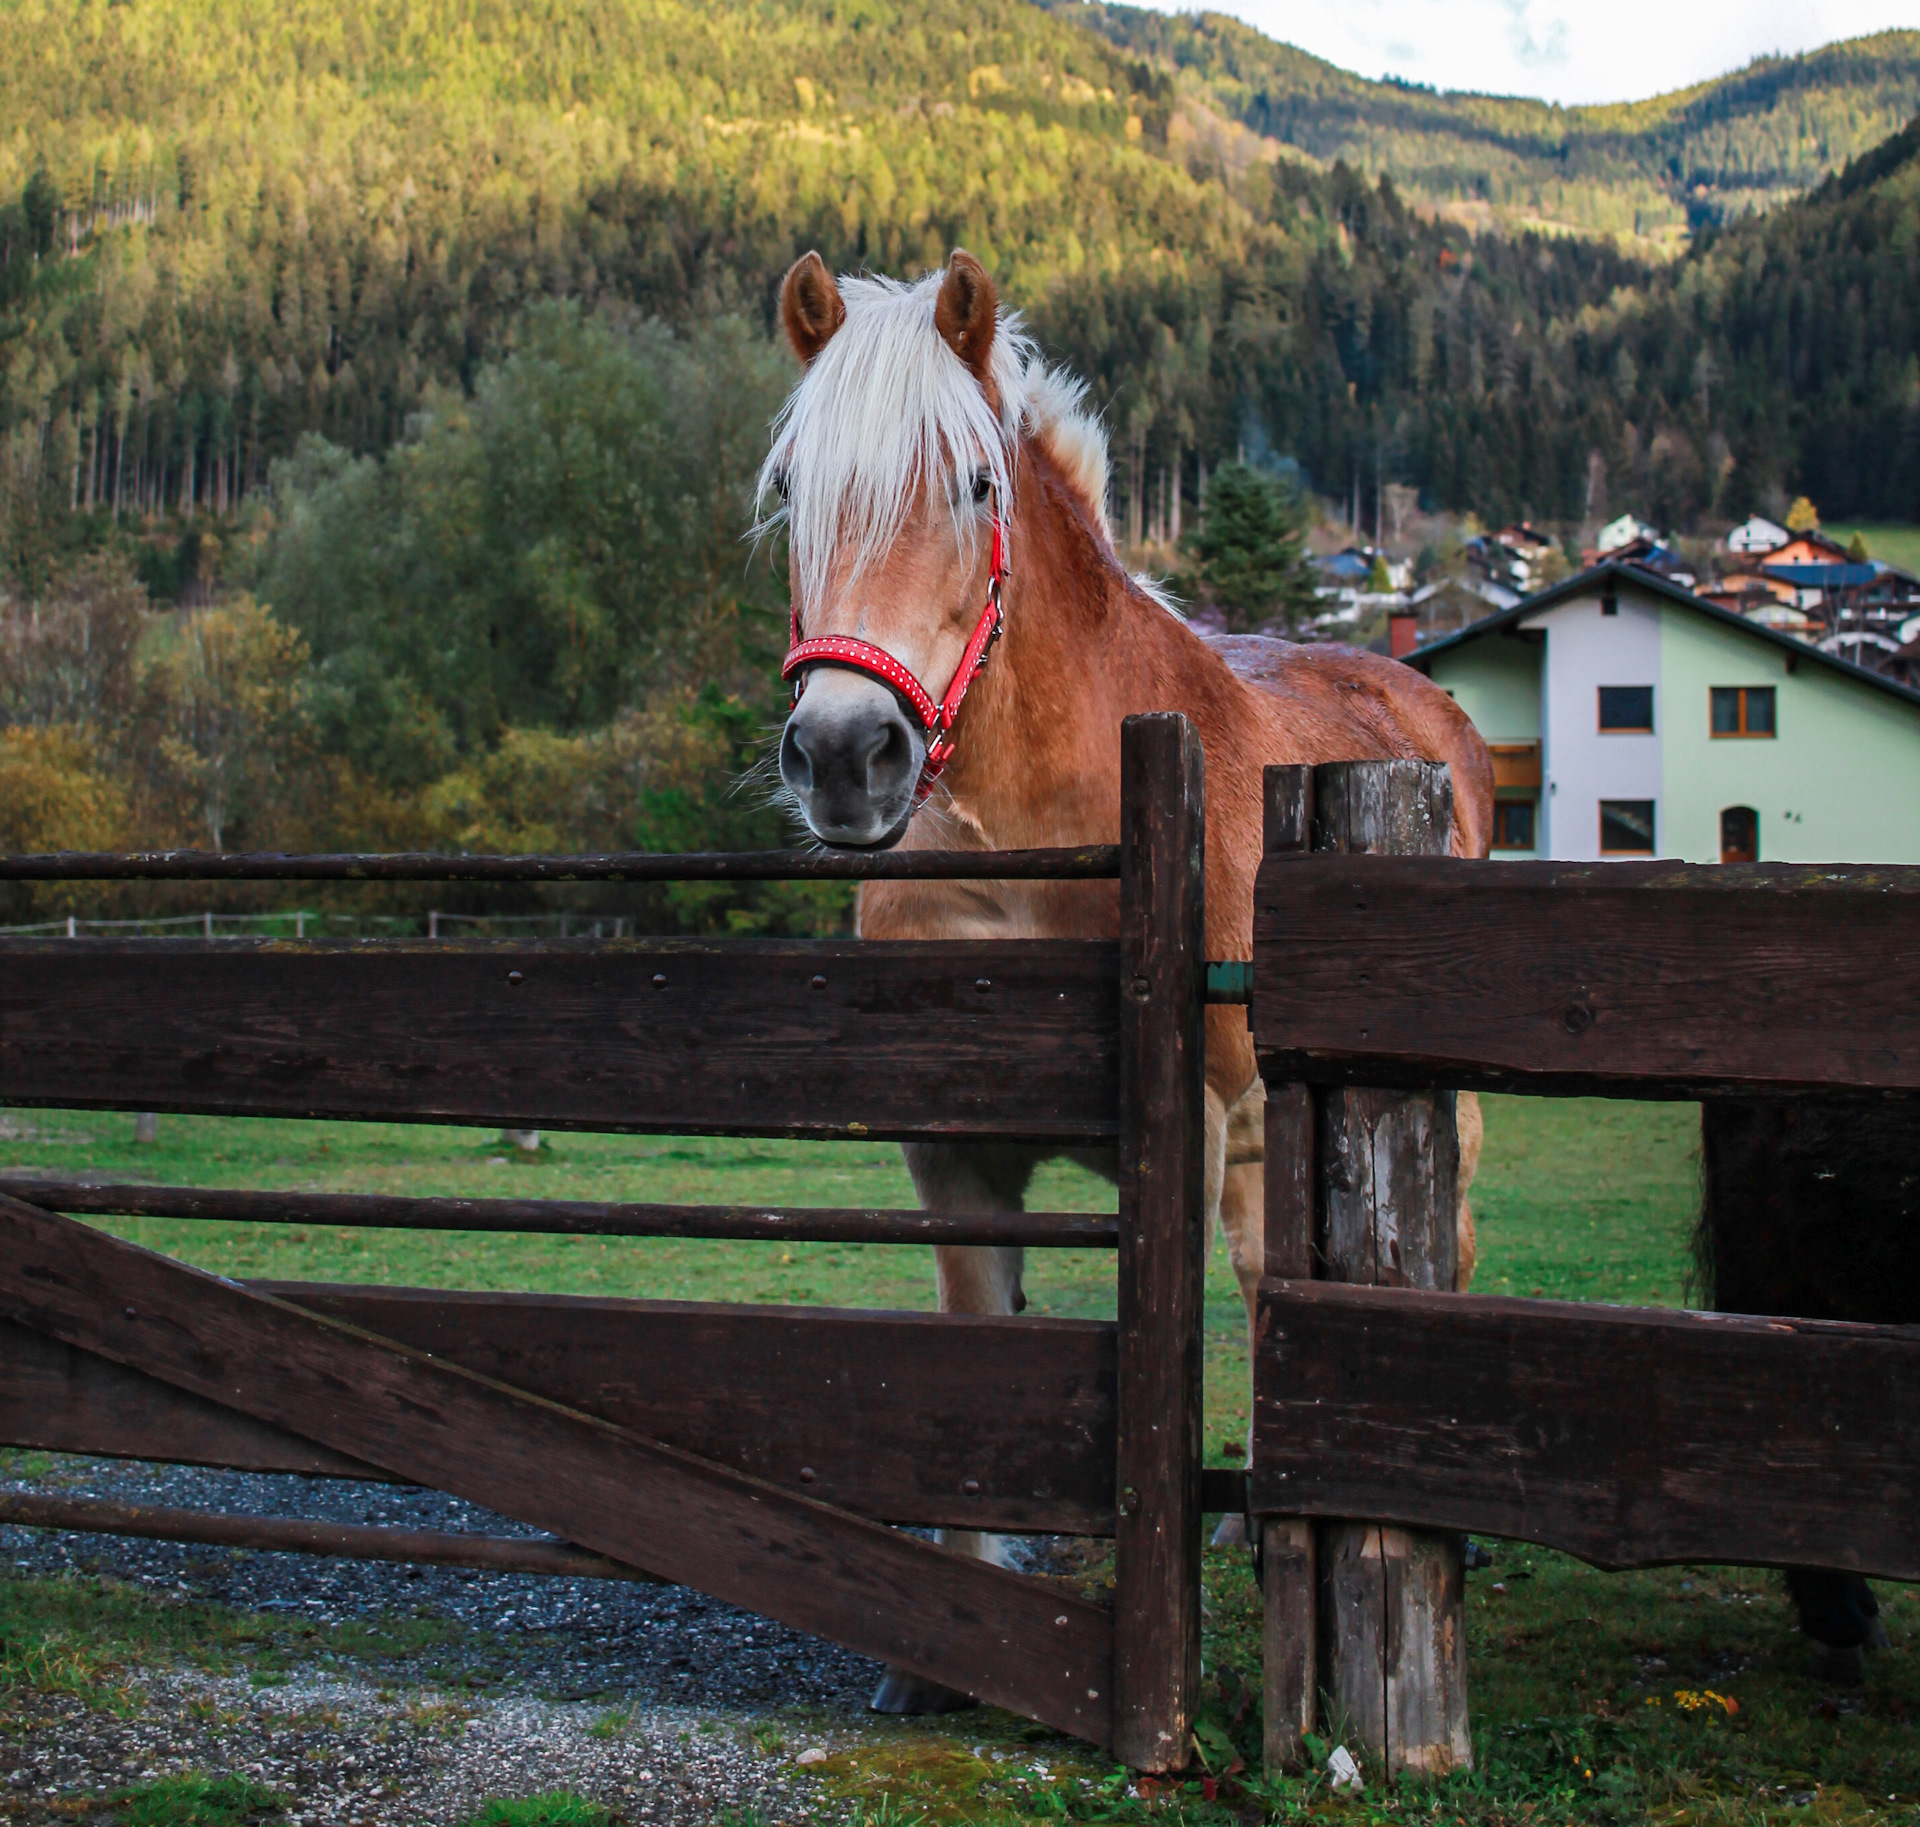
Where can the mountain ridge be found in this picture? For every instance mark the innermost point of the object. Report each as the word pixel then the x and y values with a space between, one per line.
pixel 1647 172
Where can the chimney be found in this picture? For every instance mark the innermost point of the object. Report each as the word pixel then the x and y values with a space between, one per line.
pixel 1403 632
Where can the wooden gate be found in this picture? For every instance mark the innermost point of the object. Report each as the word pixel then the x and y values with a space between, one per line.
pixel 1629 1437
pixel 757 1454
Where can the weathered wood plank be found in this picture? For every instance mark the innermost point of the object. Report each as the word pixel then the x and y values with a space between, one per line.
pixel 1288 1168
pixel 1286 830
pixel 1162 1241
pixel 571 1217
pixel 1629 1436
pixel 1089 862
pixel 1392 1632
pixel 300 1535
pixel 741 1037
pixel 56 1398
pixel 1400 1594
pixel 943 1616
pixel 1289 1605
pixel 1389 1194
pixel 1290 1631
pixel 950 1420
pixel 1619 979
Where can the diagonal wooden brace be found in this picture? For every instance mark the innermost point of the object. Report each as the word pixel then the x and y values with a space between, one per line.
pixel 955 1620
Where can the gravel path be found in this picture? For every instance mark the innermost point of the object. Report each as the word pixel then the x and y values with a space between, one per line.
pixel 643 1697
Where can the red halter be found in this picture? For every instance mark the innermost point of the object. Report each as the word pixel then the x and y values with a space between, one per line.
pixel 863 656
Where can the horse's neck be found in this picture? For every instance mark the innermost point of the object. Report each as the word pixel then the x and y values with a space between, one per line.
pixel 1083 647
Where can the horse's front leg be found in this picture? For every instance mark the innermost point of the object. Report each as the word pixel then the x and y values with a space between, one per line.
pixel 971 1278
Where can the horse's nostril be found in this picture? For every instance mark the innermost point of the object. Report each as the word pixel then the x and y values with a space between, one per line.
pixel 889 755
pixel 796 765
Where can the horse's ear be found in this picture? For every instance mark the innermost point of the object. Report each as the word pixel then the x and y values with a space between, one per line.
pixel 964 314
pixel 811 307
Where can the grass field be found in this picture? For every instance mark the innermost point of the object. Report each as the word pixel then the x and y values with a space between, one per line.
pixel 1596 1697
pixel 1896 544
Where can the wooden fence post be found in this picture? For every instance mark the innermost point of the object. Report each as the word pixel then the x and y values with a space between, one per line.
pixel 1289 1587
pixel 1156 1609
pixel 1391 1601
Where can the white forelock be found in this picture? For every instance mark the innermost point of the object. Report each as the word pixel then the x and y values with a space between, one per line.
pixel 887 403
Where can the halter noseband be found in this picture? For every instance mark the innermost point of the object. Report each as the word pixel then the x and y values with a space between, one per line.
pixel 863 656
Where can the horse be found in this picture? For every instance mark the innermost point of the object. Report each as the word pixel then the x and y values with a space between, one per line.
pixel 943 491
pixel 1810 1207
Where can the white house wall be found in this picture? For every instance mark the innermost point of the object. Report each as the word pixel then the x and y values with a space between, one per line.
pixel 1585 650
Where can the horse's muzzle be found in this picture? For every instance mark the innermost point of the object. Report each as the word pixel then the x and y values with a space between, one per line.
pixel 851 756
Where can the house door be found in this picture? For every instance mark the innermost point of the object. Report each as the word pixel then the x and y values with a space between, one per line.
pixel 1739 835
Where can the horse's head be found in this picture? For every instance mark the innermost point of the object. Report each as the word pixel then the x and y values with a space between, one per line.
pixel 893 461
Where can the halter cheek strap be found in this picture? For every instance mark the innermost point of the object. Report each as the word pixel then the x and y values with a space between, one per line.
pixel 863 656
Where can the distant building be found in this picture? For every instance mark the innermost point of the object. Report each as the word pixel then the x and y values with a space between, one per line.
pixel 1631 718
pixel 1648 554
pixel 1345 570
pixel 1757 535
pixel 1810 548
pixel 1623 532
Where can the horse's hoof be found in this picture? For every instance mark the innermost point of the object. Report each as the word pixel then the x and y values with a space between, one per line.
pixel 902 1693
pixel 1839 1666
pixel 1877 1637
pixel 1232 1530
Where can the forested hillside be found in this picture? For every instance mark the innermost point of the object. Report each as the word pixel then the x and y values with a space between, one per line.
pixel 1651 170
pixel 297 216
pixel 235 226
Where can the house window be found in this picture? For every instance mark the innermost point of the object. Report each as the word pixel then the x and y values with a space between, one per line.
pixel 1739 835
pixel 1626 827
pixel 1513 824
pixel 1742 710
pixel 1626 710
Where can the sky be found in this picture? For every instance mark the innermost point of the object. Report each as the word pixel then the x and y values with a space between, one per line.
pixel 1561 50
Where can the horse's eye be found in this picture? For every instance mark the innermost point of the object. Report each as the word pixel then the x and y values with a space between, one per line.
pixel 783 485
pixel 982 485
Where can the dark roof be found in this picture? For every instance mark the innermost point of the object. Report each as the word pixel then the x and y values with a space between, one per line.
pixel 1655 584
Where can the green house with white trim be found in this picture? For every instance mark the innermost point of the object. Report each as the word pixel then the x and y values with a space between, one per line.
pixel 1628 718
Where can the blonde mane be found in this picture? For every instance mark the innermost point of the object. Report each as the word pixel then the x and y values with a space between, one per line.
pixel 886 403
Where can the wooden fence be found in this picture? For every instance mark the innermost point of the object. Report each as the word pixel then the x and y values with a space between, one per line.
pixel 757 1454
pixel 1630 1437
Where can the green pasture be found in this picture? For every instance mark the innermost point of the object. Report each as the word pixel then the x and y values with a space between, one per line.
pixel 1898 544
pixel 1673 1697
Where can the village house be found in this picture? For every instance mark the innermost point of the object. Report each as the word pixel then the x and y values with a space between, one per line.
pixel 1808 584
pixel 1630 718
pixel 1757 535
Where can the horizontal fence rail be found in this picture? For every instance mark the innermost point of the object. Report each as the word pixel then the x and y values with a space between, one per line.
pixel 823 1038
pixel 1614 979
pixel 935 1419
pixel 1631 1437
pixel 1093 862
pixel 330 923
pixel 571 1217
pixel 298 1535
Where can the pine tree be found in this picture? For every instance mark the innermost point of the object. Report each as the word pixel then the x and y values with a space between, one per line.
pixel 1253 549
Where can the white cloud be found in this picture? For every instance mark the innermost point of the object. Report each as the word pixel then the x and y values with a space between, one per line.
pixel 1563 50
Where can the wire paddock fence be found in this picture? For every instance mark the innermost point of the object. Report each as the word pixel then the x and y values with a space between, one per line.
pixel 326 923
